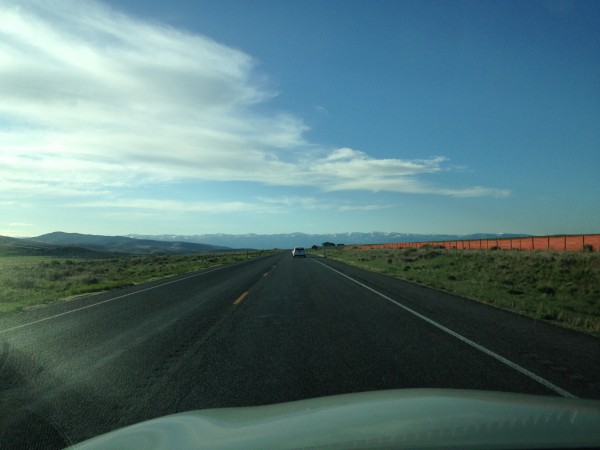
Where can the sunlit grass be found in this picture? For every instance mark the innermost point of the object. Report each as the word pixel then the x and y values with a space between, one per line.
pixel 28 281
pixel 560 287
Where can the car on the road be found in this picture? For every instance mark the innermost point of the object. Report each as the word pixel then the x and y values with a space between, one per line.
pixel 299 251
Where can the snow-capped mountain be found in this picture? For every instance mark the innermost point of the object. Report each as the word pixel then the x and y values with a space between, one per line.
pixel 290 240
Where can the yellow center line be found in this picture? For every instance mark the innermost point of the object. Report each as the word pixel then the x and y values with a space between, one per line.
pixel 240 298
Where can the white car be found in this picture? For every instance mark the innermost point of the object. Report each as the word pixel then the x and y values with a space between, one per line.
pixel 299 251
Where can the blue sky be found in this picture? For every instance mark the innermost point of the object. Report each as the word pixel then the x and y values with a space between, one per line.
pixel 192 117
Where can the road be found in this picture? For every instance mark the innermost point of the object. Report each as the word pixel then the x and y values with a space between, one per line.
pixel 269 330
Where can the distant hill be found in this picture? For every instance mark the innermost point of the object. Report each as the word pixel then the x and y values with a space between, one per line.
pixel 121 244
pixel 290 240
pixel 26 247
pixel 96 246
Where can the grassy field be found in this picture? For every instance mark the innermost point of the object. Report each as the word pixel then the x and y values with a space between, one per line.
pixel 30 281
pixel 560 287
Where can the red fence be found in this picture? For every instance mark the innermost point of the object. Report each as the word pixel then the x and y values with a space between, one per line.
pixel 560 243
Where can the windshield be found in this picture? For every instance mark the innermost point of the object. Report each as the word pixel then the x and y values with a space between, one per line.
pixel 432 165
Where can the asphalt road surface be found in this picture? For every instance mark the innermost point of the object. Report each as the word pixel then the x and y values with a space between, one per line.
pixel 263 331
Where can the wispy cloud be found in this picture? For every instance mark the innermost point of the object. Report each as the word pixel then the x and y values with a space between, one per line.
pixel 173 206
pixel 267 205
pixel 14 228
pixel 348 169
pixel 313 203
pixel 93 101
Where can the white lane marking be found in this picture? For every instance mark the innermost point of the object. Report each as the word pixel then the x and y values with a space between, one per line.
pixel 112 299
pixel 473 344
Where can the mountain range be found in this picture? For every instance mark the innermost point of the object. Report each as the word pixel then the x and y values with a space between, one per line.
pixel 290 240
pixel 96 246
pixel 62 244
pixel 26 247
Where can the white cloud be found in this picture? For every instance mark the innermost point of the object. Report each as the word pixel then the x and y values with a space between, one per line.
pixel 363 208
pixel 313 203
pixel 14 224
pixel 14 228
pixel 348 169
pixel 173 206
pixel 93 101
pixel 150 207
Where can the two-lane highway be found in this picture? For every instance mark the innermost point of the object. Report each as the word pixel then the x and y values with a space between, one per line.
pixel 269 330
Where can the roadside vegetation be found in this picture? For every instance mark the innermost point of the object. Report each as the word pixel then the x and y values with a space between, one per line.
pixel 29 281
pixel 560 287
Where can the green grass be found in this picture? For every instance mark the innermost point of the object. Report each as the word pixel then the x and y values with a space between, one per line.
pixel 31 281
pixel 560 287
